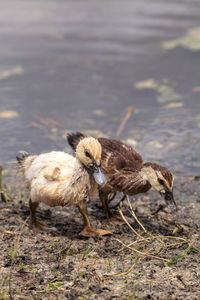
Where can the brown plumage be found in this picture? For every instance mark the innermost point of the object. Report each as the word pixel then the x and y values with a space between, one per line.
pixel 126 172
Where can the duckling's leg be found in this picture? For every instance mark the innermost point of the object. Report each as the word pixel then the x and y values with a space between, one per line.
pixel 100 205
pixel 113 219
pixel 33 206
pixel 104 199
pixel 88 230
pixel 37 225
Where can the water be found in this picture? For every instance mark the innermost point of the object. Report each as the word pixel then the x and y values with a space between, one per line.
pixel 80 62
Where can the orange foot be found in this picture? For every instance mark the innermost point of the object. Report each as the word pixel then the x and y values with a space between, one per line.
pixel 92 231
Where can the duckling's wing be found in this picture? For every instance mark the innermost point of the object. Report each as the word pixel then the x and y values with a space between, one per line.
pixel 52 166
pixel 127 182
pixel 117 156
pixel 53 174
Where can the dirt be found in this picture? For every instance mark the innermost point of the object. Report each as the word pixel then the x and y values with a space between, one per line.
pixel 64 265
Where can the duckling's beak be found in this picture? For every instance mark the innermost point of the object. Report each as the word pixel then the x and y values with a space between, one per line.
pixel 169 198
pixel 99 175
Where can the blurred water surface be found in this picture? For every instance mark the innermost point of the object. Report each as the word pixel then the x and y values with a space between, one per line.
pixel 78 65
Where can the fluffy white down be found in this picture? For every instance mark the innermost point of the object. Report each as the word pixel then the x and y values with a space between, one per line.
pixel 69 185
pixel 47 162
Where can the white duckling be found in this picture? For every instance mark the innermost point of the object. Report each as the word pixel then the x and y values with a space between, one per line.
pixel 57 178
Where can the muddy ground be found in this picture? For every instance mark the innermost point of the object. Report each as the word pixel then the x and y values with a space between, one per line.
pixel 64 265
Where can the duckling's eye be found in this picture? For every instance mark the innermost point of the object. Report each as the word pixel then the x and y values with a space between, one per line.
pixel 87 154
pixel 161 181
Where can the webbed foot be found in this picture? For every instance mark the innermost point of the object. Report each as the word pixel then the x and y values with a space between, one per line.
pixel 43 227
pixel 92 231
pixel 117 220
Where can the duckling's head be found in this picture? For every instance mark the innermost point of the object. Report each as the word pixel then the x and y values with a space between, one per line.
pixel 161 179
pixel 88 151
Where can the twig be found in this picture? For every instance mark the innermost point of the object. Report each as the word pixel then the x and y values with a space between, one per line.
pixel 135 242
pixel 172 237
pixel 124 121
pixel 46 122
pixel 151 237
pixel 132 229
pixel 140 224
pixel 134 215
pixel 9 232
pixel 191 179
pixel 175 244
pixel 23 222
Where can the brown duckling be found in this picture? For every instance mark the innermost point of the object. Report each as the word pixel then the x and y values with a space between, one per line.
pixel 57 178
pixel 126 172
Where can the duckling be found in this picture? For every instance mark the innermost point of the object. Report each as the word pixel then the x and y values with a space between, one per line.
pixel 126 172
pixel 57 178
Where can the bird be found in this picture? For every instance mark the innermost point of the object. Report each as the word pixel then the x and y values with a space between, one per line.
pixel 127 172
pixel 60 179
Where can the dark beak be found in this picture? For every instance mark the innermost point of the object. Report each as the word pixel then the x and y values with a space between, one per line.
pixel 169 198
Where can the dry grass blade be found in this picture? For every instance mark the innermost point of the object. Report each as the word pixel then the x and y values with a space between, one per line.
pixel 22 222
pixel 133 243
pixel 142 253
pixel 10 232
pixel 197 177
pixel 151 238
pixel 134 215
pixel 172 237
pixel 132 229
pixel 176 244
pixel 46 122
pixel 140 224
